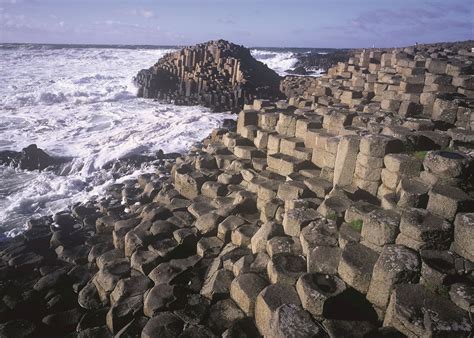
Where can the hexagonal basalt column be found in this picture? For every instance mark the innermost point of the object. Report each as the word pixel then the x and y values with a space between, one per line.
pixel 315 289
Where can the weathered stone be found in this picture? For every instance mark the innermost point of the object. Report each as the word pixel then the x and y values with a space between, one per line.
pixel 286 268
pixel 243 234
pixel 315 289
pixel 217 285
pixel 144 261
pixel 294 220
pixel 263 234
pixel 290 320
pixel 381 227
pixel 324 259
pixel 223 314
pixel 208 223
pixel 462 295
pixel 414 311
pixel 245 289
pixel 464 234
pixel 130 287
pixel 283 244
pixel 412 192
pixel 164 324
pixel 395 265
pixel 346 158
pixel 425 229
pixel 321 232
pixel 158 299
pixel 446 201
pixel 19 328
pixel 268 301
pixel 226 227
pixel 356 266
pixel 213 189
pixel 446 163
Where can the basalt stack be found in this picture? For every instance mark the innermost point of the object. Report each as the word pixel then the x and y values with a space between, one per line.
pixel 216 74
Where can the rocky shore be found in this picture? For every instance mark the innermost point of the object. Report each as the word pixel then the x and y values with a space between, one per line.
pixel 346 210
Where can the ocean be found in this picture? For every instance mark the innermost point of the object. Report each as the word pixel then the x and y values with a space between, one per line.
pixel 80 102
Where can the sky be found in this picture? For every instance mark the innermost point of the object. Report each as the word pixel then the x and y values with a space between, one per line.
pixel 263 23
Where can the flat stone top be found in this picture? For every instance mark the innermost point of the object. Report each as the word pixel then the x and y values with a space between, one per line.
pixel 360 256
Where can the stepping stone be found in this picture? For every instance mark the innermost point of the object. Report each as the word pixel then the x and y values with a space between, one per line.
pixel 395 265
pixel 268 301
pixel 286 268
pixel 315 289
pixel 290 320
pixel 415 311
pixel 245 289
pixel 356 266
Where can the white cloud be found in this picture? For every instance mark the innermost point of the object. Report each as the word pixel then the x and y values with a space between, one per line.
pixel 147 14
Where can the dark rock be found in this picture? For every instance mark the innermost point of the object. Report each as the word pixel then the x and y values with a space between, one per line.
pixel 164 325
pixel 30 158
pixel 17 329
pixel 216 74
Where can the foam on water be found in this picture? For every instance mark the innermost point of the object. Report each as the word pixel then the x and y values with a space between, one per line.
pixel 80 102
pixel 280 62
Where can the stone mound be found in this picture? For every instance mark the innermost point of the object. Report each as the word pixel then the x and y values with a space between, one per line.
pixel 216 74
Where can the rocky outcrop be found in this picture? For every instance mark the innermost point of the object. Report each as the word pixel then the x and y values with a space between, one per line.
pixel 216 74
pixel 30 158
pixel 315 217
pixel 313 61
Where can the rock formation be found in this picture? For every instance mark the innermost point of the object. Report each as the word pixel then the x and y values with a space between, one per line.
pixel 314 60
pixel 216 74
pixel 30 158
pixel 347 210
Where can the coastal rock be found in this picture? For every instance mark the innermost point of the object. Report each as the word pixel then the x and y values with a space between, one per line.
pixel 217 74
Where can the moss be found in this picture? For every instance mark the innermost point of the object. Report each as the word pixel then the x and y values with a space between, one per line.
pixel 332 216
pixel 420 154
pixel 357 225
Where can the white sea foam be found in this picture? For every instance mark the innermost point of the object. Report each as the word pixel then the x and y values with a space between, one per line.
pixel 81 103
pixel 280 62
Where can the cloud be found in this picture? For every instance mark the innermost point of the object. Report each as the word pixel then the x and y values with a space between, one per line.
pixel 226 21
pixel 147 14
pixel 430 22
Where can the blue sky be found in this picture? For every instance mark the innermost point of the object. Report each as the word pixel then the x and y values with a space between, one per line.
pixel 280 23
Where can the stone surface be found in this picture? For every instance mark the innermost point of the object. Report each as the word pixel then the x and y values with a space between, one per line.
pixel 315 289
pixel 395 265
pixel 356 266
pixel 414 311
